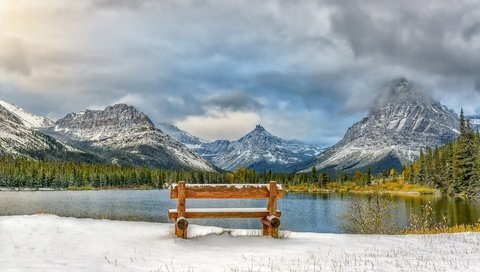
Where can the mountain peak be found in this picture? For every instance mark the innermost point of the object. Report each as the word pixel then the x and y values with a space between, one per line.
pixel 259 131
pixel 122 106
pixel 259 128
pixel 114 117
pixel 400 91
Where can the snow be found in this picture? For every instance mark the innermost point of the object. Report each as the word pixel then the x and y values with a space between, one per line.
pixel 51 243
pixel 28 119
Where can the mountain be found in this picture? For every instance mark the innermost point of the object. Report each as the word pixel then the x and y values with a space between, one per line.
pixel 123 135
pixel 26 118
pixel 474 121
pixel 402 122
pixel 192 142
pixel 259 150
pixel 19 139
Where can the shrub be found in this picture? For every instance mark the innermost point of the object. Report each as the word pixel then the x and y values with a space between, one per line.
pixel 371 215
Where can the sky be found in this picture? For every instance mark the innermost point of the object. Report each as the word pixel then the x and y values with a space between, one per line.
pixel 305 70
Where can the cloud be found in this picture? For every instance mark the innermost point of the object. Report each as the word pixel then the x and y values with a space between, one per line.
pixel 220 124
pixel 235 101
pixel 471 31
pixel 431 42
pixel 13 57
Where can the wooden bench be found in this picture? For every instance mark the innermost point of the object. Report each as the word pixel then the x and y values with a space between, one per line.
pixel 269 216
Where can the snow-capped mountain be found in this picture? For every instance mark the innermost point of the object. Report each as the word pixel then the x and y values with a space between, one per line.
pixel 403 121
pixel 28 119
pixel 192 142
pixel 124 135
pixel 19 139
pixel 258 149
pixel 474 121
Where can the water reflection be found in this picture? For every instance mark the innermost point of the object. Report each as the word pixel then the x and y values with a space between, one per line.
pixel 301 211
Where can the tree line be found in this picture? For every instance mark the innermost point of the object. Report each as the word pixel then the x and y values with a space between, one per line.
pixel 453 168
pixel 27 173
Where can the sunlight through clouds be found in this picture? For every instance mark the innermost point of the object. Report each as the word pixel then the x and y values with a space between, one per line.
pixel 216 124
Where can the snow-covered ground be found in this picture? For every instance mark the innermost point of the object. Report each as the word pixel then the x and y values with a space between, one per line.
pixel 51 243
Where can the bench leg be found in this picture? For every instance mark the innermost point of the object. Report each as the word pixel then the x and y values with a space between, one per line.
pixel 268 229
pixel 180 233
pixel 274 232
pixel 181 225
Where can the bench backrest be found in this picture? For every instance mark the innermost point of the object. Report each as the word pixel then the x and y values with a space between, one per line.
pixel 219 191
pixel 183 191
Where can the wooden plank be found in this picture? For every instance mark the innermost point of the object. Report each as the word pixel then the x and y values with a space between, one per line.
pixel 217 213
pixel 225 191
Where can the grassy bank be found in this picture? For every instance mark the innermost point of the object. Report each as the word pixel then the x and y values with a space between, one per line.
pixel 445 229
pixel 393 188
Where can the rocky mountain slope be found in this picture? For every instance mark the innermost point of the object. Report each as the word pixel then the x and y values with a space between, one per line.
pixel 28 119
pixel 403 121
pixel 259 149
pixel 19 139
pixel 192 142
pixel 474 121
pixel 123 135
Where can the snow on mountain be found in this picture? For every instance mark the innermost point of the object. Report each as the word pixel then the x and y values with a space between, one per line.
pixel 403 121
pixel 28 119
pixel 474 121
pixel 192 142
pixel 17 138
pixel 124 135
pixel 258 149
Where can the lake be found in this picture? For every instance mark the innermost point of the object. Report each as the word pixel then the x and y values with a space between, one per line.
pixel 300 211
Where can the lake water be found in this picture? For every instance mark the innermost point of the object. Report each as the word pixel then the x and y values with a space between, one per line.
pixel 300 211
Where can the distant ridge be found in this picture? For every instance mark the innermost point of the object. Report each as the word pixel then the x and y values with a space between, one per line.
pixel 259 150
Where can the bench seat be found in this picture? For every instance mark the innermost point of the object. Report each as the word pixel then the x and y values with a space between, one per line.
pixel 223 213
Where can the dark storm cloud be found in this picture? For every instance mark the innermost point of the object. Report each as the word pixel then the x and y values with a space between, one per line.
pixel 471 31
pixel 477 84
pixel 428 38
pixel 236 101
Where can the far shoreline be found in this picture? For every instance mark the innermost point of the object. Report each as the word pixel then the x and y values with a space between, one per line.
pixel 287 190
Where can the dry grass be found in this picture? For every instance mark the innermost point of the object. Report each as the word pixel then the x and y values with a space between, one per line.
pixel 425 223
pixel 398 187
pixel 445 229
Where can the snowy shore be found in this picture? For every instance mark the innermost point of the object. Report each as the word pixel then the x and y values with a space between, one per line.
pixel 51 243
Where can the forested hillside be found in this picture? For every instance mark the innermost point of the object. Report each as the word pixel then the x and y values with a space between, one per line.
pixel 453 168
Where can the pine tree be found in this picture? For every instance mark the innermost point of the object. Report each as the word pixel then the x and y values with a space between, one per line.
pixel 314 175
